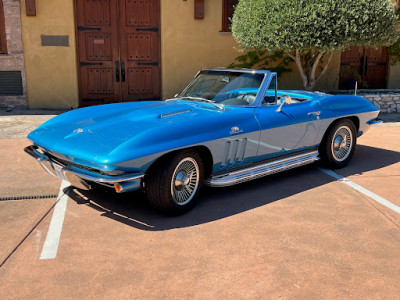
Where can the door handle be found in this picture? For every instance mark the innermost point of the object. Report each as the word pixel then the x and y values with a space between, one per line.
pixel 117 71
pixel 314 113
pixel 122 71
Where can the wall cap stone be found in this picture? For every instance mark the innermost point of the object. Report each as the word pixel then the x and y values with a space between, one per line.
pixel 364 92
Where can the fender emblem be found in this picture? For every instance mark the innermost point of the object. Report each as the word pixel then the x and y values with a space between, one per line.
pixel 235 130
pixel 79 130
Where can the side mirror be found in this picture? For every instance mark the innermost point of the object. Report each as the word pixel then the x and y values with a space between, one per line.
pixel 286 99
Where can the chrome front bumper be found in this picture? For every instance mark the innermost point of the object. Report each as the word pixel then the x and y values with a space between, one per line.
pixel 374 121
pixel 76 176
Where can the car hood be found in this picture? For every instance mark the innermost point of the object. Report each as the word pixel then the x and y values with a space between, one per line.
pixel 103 133
pixel 112 123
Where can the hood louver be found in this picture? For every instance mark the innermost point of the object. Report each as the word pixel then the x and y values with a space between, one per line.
pixel 175 113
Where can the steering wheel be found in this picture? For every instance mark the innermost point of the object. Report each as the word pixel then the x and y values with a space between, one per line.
pixel 246 97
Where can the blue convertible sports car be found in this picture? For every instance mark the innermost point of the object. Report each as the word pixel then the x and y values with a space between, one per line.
pixel 226 127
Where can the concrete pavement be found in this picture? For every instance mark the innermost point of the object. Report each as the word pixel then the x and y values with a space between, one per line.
pixel 17 123
pixel 299 234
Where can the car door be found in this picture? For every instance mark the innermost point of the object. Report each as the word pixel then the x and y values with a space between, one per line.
pixel 291 130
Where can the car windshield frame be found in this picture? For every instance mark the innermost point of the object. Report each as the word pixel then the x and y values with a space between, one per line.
pixel 267 75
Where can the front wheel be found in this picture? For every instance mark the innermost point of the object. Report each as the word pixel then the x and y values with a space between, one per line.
pixel 174 183
pixel 338 146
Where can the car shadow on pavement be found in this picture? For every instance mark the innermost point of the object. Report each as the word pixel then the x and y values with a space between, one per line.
pixel 368 158
pixel 217 203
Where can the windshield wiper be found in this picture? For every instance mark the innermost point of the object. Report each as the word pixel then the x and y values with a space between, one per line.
pixel 199 99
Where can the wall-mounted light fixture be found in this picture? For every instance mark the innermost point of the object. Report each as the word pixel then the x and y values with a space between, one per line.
pixel 30 7
pixel 199 9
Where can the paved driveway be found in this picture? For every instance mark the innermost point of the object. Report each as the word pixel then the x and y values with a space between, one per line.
pixel 299 234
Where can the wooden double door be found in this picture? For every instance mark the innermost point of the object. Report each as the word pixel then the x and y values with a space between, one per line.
pixel 119 50
pixel 367 66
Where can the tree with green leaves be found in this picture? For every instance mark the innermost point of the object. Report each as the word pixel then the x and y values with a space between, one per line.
pixel 309 31
pixel 394 50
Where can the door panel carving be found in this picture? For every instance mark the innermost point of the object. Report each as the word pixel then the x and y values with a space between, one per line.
pixel 96 12
pixel 140 12
pixel 139 47
pixel 100 81
pixel 98 46
pixel 140 81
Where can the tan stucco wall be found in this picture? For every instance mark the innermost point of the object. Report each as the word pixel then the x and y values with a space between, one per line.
pixel 51 72
pixel 394 77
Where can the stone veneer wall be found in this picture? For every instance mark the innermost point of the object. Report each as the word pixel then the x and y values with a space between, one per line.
pixel 14 60
pixel 388 101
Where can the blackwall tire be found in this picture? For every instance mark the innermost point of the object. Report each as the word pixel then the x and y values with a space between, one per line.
pixel 173 184
pixel 338 146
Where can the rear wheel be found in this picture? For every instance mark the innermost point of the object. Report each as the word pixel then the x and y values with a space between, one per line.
pixel 174 183
pixel 338 146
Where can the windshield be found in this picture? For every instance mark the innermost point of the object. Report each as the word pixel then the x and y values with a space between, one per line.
pixel 224 87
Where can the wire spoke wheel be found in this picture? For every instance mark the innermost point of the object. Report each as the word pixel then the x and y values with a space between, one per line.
pixel 342 143
pixel 185 181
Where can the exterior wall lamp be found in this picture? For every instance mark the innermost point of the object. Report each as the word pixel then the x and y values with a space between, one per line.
pixel 199 9
pixel 30 7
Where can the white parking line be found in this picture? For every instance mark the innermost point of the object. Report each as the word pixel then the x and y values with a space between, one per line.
pixel 49 250
pixel 363 190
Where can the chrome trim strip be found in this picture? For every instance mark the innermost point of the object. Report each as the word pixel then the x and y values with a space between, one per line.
pixel 32 151
pixel 74 171
pixel 243 70
pixel 102 178
pixel 264 87
pixel 41 158
pixel 263 170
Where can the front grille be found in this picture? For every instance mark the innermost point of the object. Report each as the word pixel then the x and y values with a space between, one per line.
pixel 66 163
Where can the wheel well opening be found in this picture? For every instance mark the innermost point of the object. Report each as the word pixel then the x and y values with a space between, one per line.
pixel 207 158
pixel 203 151
pixel 354 119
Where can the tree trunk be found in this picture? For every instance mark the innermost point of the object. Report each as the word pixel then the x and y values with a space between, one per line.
pixel 309 75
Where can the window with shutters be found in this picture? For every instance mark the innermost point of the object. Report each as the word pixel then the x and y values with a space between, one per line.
pixel 3 40
pixel 227 13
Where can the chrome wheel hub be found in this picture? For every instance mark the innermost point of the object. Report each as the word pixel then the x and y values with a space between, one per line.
pixel 342 143
pixel 185 181
pixel 182 180
pixel 339 143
